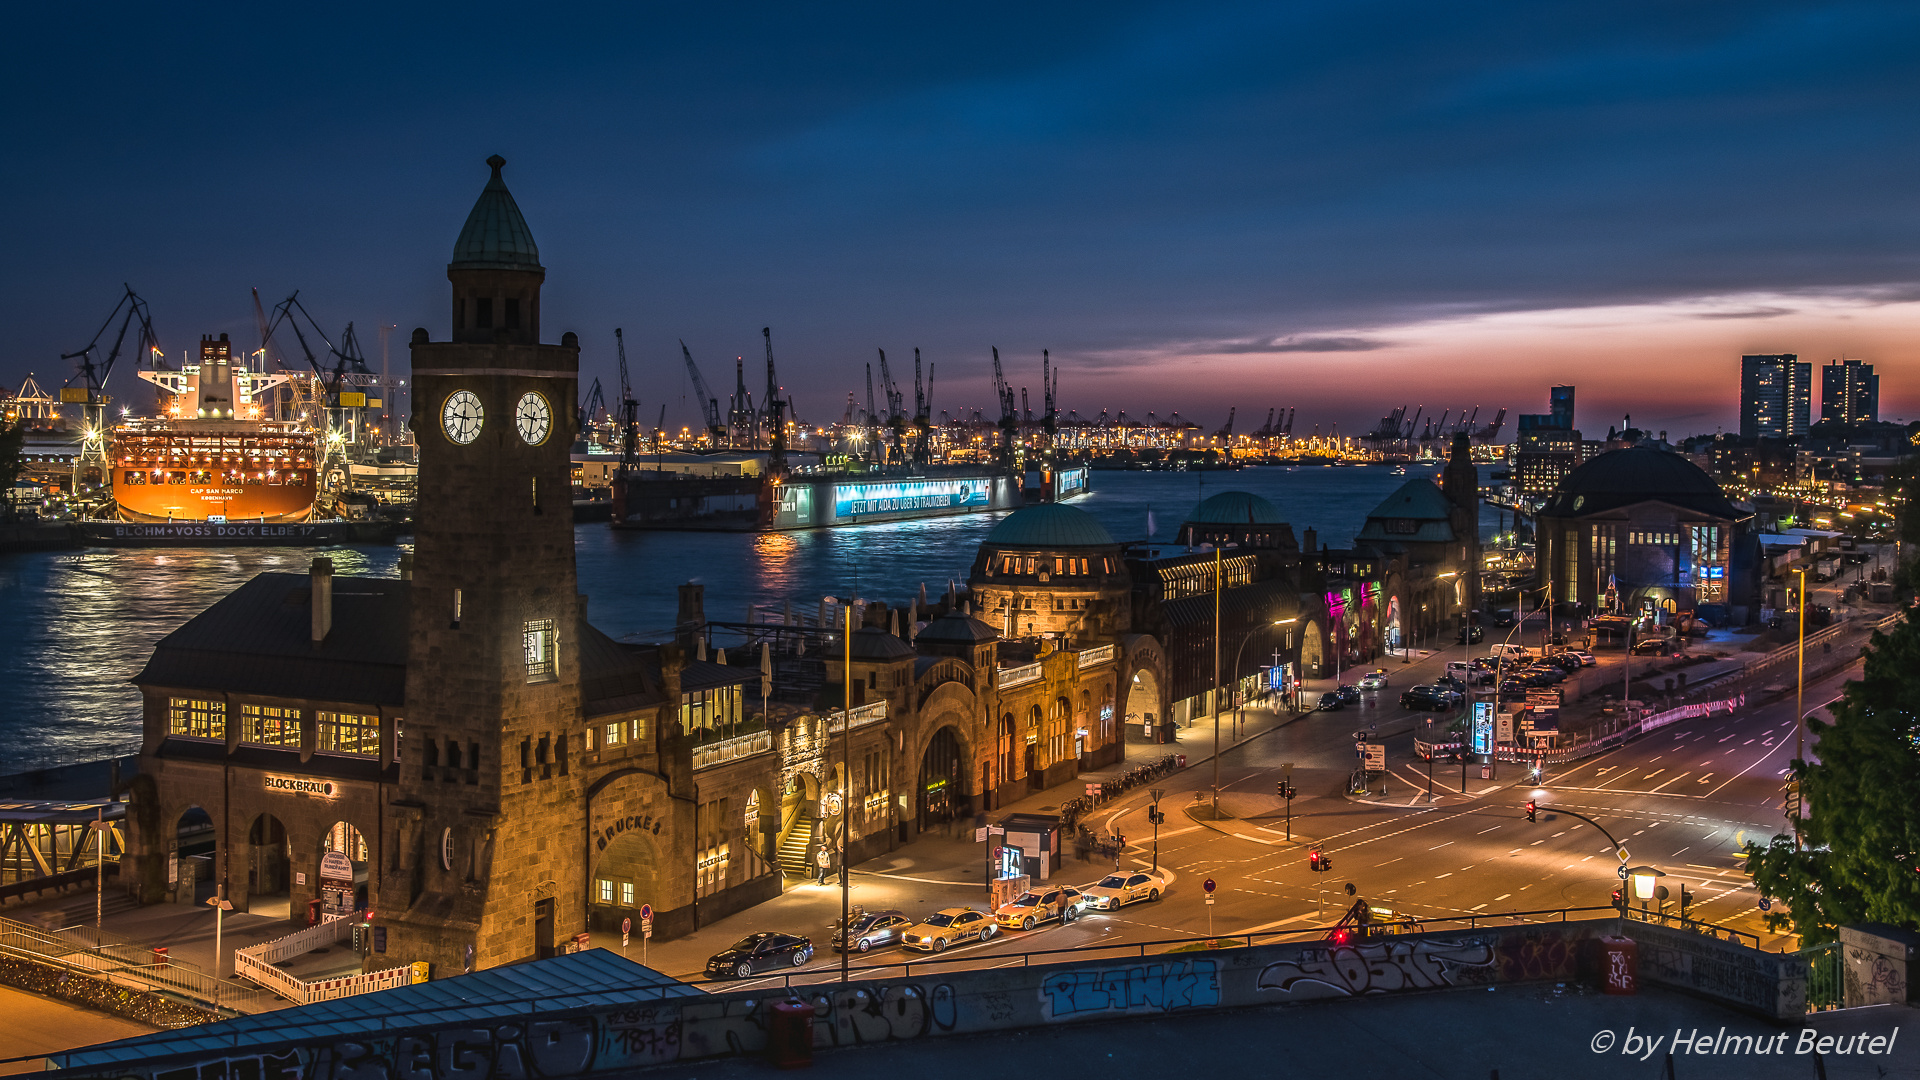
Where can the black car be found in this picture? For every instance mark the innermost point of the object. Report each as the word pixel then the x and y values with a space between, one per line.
pixel 759 952
pixel 1349 693
pixel 1428 698
pixel 1514 689
pixel 1448 682
pixel 1332 702
pixel 1655 647
pixel 1473 635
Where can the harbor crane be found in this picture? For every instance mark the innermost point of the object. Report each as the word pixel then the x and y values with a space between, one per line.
pixel 922 410
pixel 1003 454
pixel 1050 397
pixel 629 408
pixel 88 384
pixel 709 405
pixel 776 408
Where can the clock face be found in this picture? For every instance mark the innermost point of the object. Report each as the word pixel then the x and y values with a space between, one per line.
pixel 534 417
pixel 462 416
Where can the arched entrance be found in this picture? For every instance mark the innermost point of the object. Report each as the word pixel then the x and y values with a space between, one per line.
pixel 1313 656
pixel 1395 633
pixel 1143 699
pixel 942 774
pixel 269 861
pixel 1008 741
pixel 624 877
pixel 343 869
pixel 190 863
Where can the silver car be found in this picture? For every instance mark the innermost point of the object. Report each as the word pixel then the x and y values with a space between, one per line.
pixel 872 930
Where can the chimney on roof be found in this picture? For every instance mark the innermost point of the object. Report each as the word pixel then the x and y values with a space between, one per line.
pixel 322 605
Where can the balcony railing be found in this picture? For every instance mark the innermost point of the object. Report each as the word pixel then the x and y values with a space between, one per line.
pixel 1099 654
pixel 1019 676
pixel 862 715
pixel 733 749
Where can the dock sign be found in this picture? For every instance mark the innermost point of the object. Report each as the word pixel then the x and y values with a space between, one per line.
pixel 1483 727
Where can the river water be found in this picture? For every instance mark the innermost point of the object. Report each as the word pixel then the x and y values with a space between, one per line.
pixel 81 624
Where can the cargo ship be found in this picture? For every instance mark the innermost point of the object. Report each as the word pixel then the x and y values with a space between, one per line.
pixel 211 468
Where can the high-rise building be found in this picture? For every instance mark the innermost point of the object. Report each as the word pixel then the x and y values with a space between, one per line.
pixel 1560 406
pixel 1776 396
pixel 1849 392
pixel 1547 446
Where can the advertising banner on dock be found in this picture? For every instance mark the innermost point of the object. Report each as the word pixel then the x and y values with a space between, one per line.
pixel 1069 482
pixel 894 496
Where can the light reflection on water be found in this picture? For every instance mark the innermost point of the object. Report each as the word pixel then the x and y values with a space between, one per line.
pixel 83 623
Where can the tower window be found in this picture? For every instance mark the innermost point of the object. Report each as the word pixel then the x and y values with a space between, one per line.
pixel 513 313
pixel 542 650
pixel 483 313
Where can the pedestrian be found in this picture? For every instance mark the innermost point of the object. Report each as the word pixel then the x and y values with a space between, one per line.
pixel 1080 847
pixel 824 860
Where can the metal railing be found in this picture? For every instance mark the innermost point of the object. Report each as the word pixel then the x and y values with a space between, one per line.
pixel 84 950
pixel 1099 654
pixel 1077 954
pixel 1019 676
pixel 1826 976
pixel 759 742
pixel 861 716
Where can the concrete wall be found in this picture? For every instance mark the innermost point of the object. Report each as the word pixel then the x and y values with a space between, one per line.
pixel 608 1039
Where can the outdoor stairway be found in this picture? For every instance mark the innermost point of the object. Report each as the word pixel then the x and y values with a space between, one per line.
pixel 794 849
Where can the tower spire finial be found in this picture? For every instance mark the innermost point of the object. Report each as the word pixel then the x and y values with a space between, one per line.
pixel 496 161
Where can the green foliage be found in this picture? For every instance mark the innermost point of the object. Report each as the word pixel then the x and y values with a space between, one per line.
pixel 1860 857
pixel 13 440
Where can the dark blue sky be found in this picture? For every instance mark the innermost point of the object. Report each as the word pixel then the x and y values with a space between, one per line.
pixel 1338 206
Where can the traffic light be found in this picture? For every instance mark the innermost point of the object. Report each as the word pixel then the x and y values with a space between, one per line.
pixel 1318 862
pixel 1531 808
pixel 1342 936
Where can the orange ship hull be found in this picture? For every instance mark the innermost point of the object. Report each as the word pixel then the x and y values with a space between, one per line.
pixel 198 470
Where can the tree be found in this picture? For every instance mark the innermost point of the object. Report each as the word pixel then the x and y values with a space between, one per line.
pixel 13 439
pixel 1859 856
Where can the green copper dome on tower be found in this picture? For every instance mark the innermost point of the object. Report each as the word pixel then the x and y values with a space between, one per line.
pixel 495 236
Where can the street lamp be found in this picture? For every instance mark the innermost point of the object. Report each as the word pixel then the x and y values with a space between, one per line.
pixel 1644 879
pixel 220 908
pixel 846 770
pixel 1800 680
pixel 1239 712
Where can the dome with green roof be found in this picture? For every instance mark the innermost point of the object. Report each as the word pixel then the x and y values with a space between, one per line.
pixel 495 236
pixel 1236 508
pixel 1050 526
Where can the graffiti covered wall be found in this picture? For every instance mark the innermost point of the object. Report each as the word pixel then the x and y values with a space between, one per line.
pixel 608 1039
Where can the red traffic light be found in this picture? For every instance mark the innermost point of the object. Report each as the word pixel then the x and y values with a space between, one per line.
pixel 1531 808
pixel 1341 937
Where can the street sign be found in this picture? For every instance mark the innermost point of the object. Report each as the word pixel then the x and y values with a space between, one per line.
pixel 1209 901
pixel 1623 873
pixel 1376 756
pixel 1766 904
pixel 1622 852
pixel 1286 769
pixel 1093 791
pixel 1208 885
pixel 626 929
pixel 646 921
pixel 1157 793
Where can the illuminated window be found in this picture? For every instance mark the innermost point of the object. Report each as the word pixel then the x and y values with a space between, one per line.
pixel 626 893
pixel 616 735
pixel 542 660
pixel 605 890
pixel 347 733
pixel 270 725
pixel 197 718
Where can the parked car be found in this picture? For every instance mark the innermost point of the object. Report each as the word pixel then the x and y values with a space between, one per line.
pixel 872 929
pixel 1511 652
pixel 1586 658
pixel 1656 647
pixel 759 952
pixel 1373 680
pixel 1448 682
pixel 1349 693
pixel 1036 906
pixel 1469 674
pixel 1331 702
pixel 1119 890
pixel 1429 697
pixel 1472 635
pixel 949 926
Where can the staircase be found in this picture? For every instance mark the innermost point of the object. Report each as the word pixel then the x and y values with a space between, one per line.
pixel 797 844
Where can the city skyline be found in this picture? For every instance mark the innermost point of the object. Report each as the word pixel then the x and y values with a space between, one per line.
pixel 1249 207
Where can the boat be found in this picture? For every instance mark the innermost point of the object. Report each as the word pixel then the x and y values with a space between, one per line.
pixel 213 468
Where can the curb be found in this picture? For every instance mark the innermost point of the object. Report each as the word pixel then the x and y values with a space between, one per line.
pixel 1297 841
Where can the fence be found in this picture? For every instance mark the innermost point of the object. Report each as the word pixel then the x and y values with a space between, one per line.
pixel 758 742
pixel 1019 676
pixel 257 963
pixel 1826 976
pixel 127 963
pixel 1099 654
pixel 862 715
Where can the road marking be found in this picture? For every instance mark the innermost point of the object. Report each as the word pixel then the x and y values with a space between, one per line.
pixel 1484 832
pixel 1395 859
pixel 1536 843
pixel 1437 847
pixel 1676 779
pixel 1447 874
pixel 1557 835
pixel 1681 852
pixel 1704 779
pixel 1476 907
pixel 1501 897
pixel 1654 773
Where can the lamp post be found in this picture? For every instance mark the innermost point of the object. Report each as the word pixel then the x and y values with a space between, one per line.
pixel 846 769
pixel 220 908
pixel 1800 679
pixel 1239 712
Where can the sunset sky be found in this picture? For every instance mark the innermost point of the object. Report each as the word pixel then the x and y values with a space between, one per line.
pixel 1339 207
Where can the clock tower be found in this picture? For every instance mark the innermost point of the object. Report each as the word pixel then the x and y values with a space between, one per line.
pixel 488 807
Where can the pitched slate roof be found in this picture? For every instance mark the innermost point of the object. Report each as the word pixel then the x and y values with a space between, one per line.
pixel 596 977
pixel 258 640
